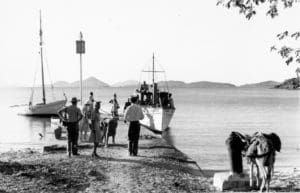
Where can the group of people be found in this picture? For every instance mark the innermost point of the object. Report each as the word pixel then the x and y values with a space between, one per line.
pixel 90 119
pixel 155 98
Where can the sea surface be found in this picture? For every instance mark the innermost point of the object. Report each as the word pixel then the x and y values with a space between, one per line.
pixel 203 119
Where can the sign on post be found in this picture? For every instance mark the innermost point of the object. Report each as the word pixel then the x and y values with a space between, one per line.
pixel 80 47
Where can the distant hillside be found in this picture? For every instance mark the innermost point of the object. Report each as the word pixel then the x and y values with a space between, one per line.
pixel 206 84
pixel 61 84
pixel 292 83
pixel 90 82
pixel 172 83
pixel 265 84
pixel 127 83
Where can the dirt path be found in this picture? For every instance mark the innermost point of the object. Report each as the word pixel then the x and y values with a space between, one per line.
pixel 158 168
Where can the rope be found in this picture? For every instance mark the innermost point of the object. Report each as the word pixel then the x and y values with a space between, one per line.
pixel 49 74
pixel 165 74
pixel 34 79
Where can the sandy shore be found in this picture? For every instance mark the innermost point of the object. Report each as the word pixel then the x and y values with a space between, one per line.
pixel 158 168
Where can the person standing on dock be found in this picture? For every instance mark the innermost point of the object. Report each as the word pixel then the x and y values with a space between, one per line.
pixel 71 115
pixel 91 100
pixel 171 102
pixel 133 115
pixel 96 135
pixel 127 104
pixel 144 90
pixel 115 106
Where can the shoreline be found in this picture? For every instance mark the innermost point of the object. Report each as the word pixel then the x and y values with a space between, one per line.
pixel 158 168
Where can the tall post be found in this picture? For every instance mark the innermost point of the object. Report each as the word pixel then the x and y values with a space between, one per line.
pixel 42 62
pixel 80 55
pixel 153 81
pixel 80 49
pixel 153 69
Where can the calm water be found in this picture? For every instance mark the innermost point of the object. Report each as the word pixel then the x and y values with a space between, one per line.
pixel 203 120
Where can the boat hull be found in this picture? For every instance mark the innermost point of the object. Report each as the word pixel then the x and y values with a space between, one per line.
pixel 45 110
pixel 157 119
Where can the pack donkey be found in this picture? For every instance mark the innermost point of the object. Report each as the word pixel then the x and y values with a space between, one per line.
pixel 260 153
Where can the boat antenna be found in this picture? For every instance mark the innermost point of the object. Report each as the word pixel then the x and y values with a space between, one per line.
pixel 42 64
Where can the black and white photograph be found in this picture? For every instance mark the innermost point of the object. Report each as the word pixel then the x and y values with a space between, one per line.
pixel 160 96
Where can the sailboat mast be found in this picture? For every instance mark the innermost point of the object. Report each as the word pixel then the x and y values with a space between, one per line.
pixel 42 62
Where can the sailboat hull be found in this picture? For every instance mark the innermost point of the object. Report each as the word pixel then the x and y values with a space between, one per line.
pixel 157 119
pixel 45 110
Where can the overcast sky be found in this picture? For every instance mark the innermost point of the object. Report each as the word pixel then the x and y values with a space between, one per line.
pixel 193 40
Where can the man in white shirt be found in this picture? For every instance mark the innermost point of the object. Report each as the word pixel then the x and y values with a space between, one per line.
pixel 133 115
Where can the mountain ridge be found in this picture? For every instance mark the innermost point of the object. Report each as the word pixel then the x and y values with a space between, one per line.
pixel 94 82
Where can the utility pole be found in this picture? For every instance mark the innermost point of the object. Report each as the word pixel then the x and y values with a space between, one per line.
pixel 80 49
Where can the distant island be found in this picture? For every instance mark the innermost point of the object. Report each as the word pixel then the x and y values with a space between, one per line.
pixel 265 84
pixel 93 82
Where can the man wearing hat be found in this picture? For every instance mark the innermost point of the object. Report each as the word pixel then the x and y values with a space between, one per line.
pixel 71 115
pixel 133 115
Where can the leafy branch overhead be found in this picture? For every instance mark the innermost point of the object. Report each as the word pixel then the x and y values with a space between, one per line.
pixel 249 7
pixel 288 53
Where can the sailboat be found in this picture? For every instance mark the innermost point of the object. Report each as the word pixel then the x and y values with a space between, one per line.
pixel 157 105
pixel 44 108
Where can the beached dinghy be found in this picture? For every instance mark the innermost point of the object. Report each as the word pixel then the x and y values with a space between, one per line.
pixel 43 109
pixel 157 103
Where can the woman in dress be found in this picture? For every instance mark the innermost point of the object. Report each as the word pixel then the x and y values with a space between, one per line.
pixel 96 134
pixel 84 123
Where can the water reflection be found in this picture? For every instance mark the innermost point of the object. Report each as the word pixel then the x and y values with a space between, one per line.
pixel 18 129
pixel 37 128
pixel 168 137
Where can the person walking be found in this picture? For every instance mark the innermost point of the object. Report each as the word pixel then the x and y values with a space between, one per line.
pixel 133 115
pixel 96 135
pixel 71 115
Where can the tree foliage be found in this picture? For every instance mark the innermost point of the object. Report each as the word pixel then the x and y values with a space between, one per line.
pixel 288 53
pixel 249 7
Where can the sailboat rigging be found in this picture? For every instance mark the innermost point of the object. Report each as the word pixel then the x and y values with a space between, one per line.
pixel 44 108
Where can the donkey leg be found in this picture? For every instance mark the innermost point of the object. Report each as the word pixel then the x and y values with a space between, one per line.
pixel 268 178
pixel 251 174
pixel 257 176
pixel 264 177
pixel 106 137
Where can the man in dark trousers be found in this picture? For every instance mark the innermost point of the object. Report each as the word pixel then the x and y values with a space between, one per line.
pixel 71 115
pixel 133 115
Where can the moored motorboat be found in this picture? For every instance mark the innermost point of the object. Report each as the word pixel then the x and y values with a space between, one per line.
pixel 158 106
